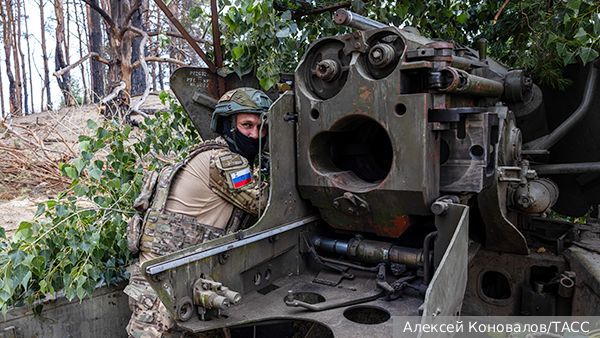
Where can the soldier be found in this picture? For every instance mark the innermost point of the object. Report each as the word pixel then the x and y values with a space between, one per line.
pixel 213 192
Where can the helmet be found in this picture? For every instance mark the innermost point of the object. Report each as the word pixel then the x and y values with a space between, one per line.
pixel 241 100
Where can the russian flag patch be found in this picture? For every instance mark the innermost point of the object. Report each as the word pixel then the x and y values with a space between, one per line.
pixel 241 178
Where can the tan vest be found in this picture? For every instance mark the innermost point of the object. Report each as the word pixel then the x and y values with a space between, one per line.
pixel 174 220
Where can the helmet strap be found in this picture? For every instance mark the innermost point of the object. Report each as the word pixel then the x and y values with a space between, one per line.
pixel 233 129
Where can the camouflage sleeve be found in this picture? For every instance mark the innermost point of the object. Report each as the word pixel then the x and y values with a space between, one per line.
pixel 232 179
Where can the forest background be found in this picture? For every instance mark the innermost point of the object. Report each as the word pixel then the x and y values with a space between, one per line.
pixel 106 51
pixel 42 37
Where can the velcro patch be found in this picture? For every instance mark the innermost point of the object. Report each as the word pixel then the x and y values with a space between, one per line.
pixel 230 160
pixel 241 178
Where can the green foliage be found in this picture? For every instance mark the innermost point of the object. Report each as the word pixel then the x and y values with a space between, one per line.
pixel 256 37
pixel 527 34
pixel 77 240
pixel 573 219
pixel 76 93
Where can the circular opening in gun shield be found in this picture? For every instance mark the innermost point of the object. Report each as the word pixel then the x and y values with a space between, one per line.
pixel 400 109
pixel 367 315
pixel 495 285
pixel 476 152
pixel 314 114
pixel 354 151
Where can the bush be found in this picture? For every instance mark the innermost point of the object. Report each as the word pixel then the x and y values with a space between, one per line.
pixel 77 241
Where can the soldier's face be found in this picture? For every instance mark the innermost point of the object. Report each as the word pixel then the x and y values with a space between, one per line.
pixel 249 125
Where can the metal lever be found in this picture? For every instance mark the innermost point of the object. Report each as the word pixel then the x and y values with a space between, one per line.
pixel 290 301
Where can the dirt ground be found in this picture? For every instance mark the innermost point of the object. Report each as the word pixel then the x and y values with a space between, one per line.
pixel 57 130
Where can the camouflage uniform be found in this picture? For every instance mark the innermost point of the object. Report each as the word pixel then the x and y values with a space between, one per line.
pixel 225 186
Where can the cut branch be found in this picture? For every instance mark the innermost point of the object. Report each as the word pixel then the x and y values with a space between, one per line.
pixel 102 13
pixel 12 131
pixel 95 56
pixel 115 92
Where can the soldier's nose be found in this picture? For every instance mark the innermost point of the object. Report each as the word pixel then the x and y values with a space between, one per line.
pixel 254 133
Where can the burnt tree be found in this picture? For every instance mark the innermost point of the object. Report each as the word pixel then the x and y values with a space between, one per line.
pixel 121 32
pixel 138 78
pixel 61 53
pixel 95 46
pixel 45 57
pixel 7 24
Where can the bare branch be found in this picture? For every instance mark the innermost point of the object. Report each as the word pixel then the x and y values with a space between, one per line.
pixel 159 59
pixel 93 55
pixel 44 149
pixel 102 13
pixel 500 11
pixel 142 60
pixel 134 8
pixel 114 94
pixel 177 35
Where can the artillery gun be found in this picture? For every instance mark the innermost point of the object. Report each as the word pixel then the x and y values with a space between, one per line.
pixel 401 185
pixel 409 177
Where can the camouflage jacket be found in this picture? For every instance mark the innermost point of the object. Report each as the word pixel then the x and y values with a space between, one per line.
pixel 231 178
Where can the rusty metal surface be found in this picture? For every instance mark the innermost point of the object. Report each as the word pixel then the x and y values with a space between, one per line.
pixel 362 106
pixel 517 269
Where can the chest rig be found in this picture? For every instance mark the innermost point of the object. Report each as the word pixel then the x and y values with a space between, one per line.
pixel 163 232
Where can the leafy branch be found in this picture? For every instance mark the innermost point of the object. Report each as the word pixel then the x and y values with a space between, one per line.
pixel 77 241
pixel 539 36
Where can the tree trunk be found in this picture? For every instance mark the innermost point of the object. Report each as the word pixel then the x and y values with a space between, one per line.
pixel 66 28
pixel 95 46
pixel 59 56
pixel 45 56
pixel 2 111
pixel 7 30
pixel 29 58
pixel 18 38
pixel 138 78
pixel 80 39
pixel 156 51
pixel 119 69
pixel 160 76
pixel 16 43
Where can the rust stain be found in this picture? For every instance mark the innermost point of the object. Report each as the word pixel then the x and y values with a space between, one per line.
pixel 365 95
pixel 401 223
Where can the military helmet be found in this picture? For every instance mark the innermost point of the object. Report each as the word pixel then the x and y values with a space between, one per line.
pixel 240 100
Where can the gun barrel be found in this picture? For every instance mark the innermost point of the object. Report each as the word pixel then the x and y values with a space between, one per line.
pixel 353 20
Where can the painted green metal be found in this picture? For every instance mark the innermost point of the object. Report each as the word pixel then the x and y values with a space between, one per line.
pixel 104 315
pixel 265 257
